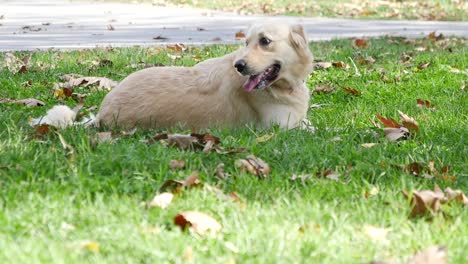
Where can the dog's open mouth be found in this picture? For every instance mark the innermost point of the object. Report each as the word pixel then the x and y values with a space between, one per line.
pixel 263 79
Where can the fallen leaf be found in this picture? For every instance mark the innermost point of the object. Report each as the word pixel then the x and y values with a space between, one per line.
pixel 432 36
pixel 425 103
pixel 341 65
pixel 89 245
pixel 161 200
pixel 197 222
pixel 423 66
pixel 426 201
pixel 376 233
pixel 302 177
pixel 351 90
pixel 220 172
pixel 240 35
pixel 322 65
pixel 110 27
pixel 101 83
pixel 176 185
pixel 178 47
pixel 16 65
pixel 388 122
pixel 28 102
pixel 457 195
pixel 329 174
pixel 253 165
pixel 368 145
pixel 177 164
pixel 408 122
pixel 325 89
pixel 359 43
pixel 265 137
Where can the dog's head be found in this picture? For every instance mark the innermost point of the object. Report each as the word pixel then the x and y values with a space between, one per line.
pixel 275 55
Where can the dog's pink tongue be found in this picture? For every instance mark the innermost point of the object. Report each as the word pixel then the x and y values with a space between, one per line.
pixel 252 82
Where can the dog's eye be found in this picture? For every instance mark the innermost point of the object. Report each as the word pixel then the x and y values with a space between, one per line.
pixel 264 41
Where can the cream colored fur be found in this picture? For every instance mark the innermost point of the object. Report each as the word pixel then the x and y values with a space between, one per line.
pixel 211 93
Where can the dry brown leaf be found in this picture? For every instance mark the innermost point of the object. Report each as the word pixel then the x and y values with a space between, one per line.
pixel 457 195
pixel 426 201
pixel 423 66
pixel 101 83
pixel 341 65
pixel 360 43
pixel 425 103
pixel 432 255
pixel 159 37
pixel 16 65
pixel 432 36
pixel 110 27
pixel 408 121
pixel 197 222
pixel 351 90
pixel 178 47
pixel 329 174
pixel 28 102
pixel 220 172
pixel 176 185
pixel 372 192
pixel 253 165
pixel 161 200
pixel 177 164
pixel 325 89
pixel 240 35
pixel 388 122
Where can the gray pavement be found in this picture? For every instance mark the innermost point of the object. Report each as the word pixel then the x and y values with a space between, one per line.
pixel 65 24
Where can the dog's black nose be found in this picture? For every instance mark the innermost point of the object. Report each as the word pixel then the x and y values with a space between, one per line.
pixel 240 65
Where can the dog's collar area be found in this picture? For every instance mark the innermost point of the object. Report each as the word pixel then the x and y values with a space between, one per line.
pixel 263 79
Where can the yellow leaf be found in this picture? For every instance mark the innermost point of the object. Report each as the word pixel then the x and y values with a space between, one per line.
pixel 265 137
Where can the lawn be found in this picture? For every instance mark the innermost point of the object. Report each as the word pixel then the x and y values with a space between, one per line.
pixel 387 9
pixel 86 207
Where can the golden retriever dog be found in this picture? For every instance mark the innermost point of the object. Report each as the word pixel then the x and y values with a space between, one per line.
pixel 262 84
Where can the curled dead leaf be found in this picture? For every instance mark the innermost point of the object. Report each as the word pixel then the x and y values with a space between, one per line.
pixel 323 89
pixel 28 102
pixel 178 47
pixel 351 90
pixel 388 122
pixel 197 222
pixel 341 65
pixel 254 165
pixel 423 66
pixel 176 185
pixel 408 121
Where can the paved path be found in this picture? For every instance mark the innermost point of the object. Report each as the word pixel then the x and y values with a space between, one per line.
pixel 30 24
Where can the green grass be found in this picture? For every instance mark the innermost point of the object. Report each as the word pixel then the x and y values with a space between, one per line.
pixel 280 221
pixel 390 9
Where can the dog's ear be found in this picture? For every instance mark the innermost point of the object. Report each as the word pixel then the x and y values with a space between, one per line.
pixel 297 37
